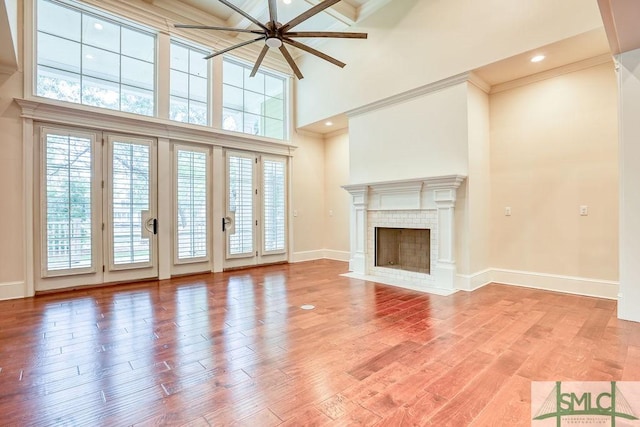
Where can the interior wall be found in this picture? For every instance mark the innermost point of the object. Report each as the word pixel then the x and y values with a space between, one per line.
pixel 415 42
pixel 478 183
pixel 423 137
pixel 11 214
pixel 308 197
pixel 337 199
pixel 629 85
pixel 554 149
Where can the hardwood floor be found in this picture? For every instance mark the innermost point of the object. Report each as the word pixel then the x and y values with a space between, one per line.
pixel 235 348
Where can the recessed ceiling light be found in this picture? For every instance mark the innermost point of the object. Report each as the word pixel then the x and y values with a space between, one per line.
pixel 537 58
pixel 286 1
pixel 88 56
pixel 329 124
pixel 98 26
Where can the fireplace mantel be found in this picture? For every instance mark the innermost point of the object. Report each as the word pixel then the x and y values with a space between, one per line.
pixel 397 200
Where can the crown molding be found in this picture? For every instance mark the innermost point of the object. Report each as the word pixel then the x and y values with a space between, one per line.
pixel 410 94
pixel 555 72
pixel 337 132
pixel 479 83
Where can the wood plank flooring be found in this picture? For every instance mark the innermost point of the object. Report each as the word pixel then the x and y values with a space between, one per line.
pixel 236 349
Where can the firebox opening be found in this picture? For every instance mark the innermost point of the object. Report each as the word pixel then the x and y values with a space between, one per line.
pixel 403 248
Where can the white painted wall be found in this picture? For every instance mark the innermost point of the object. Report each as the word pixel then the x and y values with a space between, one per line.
pixel 337 200
pixel 629 104
pixel 422 137
pixel 8 36
pixel 553 149
pixel 416 42
pixel 11 207
pixel 478 185
pixel 308 197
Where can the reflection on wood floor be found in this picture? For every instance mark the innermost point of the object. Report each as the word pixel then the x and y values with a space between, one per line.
pixel 235 348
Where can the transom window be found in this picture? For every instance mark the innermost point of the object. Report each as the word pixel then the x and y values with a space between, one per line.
pixel 189 84
pixel 253 105
pixel 93 60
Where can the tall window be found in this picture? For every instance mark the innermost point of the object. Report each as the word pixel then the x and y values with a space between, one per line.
pixel 67 211
pixel 253 105
pixel 273 180
pixel 240 203
pixel 191 209
pixel 189 84
pixel 92 60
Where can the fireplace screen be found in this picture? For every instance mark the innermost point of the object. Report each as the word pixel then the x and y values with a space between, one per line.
pixel 403 248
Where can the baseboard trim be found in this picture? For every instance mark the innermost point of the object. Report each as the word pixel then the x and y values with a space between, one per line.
pixel 337 255
pixel 471 282
pixel 12 290
pixel 557 283
pixel 320 254
pixel 307 256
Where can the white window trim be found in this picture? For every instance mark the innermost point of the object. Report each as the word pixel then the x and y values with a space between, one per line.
pixel 210 98
pixel 207 152
pixel 262 203
pixel 31 51
pixel 107 206
pixel 95 203
pixel 246 155
pixel 286 96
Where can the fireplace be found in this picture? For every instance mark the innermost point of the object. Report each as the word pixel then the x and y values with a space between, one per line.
pixel 403 249
pixel 402 233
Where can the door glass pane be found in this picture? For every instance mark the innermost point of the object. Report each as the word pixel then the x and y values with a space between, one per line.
pixel 68 202
pixel 241 204
pixel 130 196
pixel 274 205
pixel 191 221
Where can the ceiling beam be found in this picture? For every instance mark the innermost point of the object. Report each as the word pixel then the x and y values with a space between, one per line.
pixel 342 11
pixel 255 8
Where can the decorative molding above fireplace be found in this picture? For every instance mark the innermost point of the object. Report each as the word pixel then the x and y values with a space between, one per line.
pixel 415 203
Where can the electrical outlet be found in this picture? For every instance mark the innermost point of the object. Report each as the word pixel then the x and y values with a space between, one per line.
pixel 295 212
pixel 584 210
pixel 507 211
pixel 330 212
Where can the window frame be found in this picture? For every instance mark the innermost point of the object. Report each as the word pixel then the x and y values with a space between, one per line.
pixel 208 163
pixel 96 214
pixel 286 110
pixel 193 47
pixel 285 207
pixel 113 18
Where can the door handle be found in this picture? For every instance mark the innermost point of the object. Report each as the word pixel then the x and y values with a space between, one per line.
pixel 225 221
pixel 151 225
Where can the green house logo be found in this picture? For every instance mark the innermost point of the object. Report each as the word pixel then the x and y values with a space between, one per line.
pixel 586 404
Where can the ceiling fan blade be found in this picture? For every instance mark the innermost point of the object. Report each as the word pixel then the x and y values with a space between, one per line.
pixel 291 62
pixel 332 34
pixel 243 13
pixel 273 12
pixel 265 49
pixel 208 27
pixel 314 52
pixel 309 13
pixel 220 52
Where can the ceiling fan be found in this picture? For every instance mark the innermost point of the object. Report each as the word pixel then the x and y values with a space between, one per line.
pixel 276 34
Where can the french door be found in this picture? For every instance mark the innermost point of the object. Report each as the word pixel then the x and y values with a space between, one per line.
pixel 255 224
pixel 97 217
